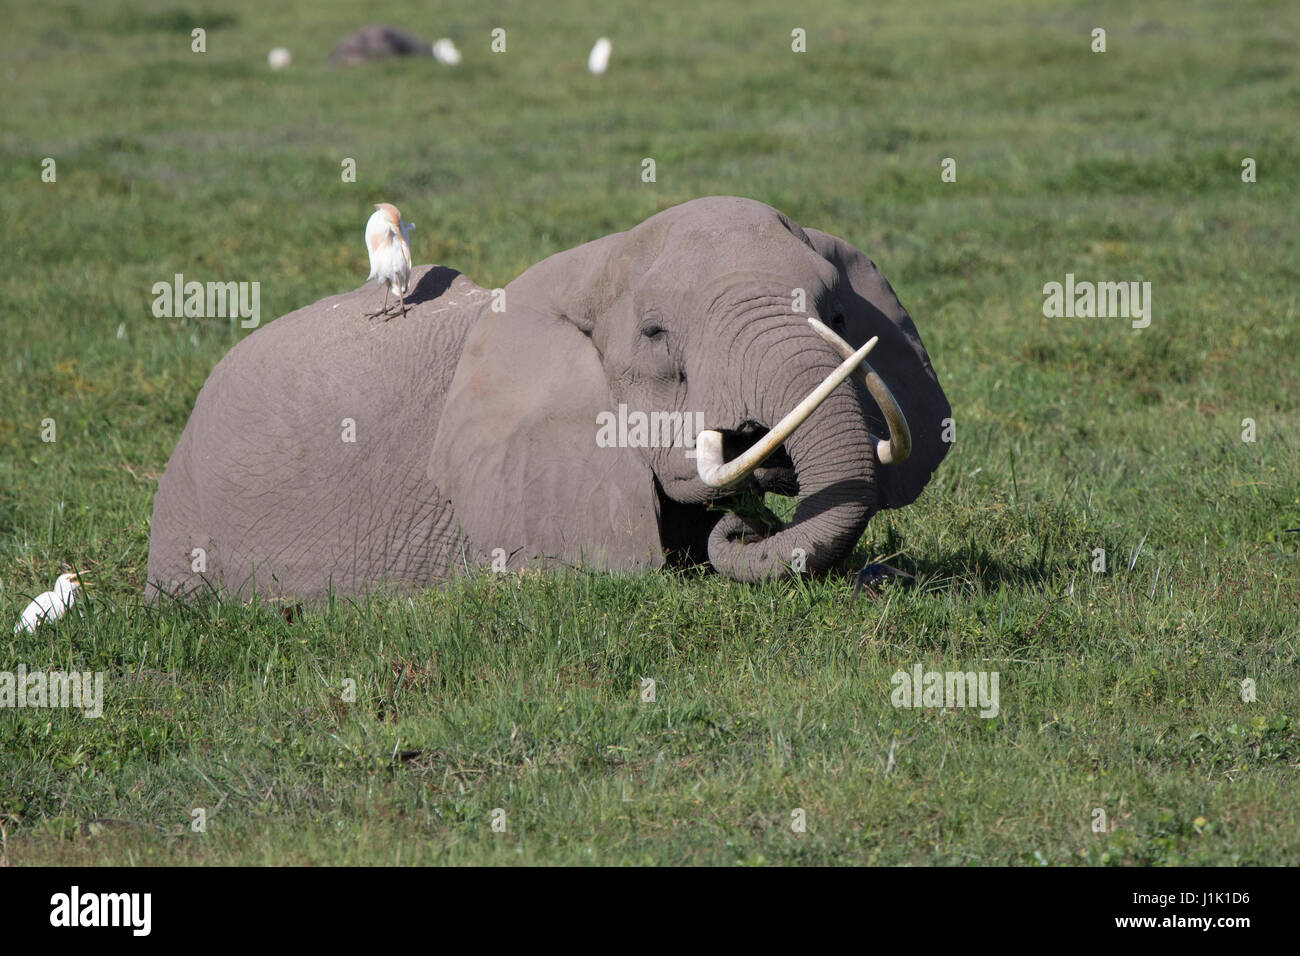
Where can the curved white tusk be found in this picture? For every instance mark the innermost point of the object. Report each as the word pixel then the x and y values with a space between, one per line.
pixel 896 450
pixel 717 473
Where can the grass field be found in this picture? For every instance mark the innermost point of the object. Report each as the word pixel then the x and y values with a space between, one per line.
pixel 1120 690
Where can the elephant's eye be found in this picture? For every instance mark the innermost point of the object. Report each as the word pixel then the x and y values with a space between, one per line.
pixel 653 330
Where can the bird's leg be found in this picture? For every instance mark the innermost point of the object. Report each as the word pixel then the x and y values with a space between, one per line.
pixel 401 298
pixel 384 310
pixel 858 584
pixel 871 575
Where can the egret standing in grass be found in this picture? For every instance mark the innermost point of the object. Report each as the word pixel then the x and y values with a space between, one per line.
pixel 51 605
pixel 445 52
pixel 390 253
pixel 598 58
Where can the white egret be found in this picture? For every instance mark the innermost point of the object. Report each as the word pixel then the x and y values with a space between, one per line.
pixel 387 240
pixel 51 605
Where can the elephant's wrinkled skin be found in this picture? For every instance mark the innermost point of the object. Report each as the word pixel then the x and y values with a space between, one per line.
pixel 476 430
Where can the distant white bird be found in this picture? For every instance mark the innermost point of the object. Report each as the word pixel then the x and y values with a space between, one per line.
pixel 51 605
pixel 279 58
pixel 387 240
pixel 598 59
pixel 444 51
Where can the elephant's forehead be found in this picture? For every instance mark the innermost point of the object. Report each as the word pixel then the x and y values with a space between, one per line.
pixel 725 238
pixel 722 207
pixel 719 219
pixel 727 264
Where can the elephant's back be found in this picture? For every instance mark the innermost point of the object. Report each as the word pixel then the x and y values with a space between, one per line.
pixel 322 345
pixel 311 427
pixel 306 378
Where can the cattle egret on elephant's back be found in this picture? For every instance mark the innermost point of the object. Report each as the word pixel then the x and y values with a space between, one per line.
pixel 390 253
pixel 51 605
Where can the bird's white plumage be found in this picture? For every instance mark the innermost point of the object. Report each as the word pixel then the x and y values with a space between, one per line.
pixel 598 59
pixel 51 605
pixel 444 51
pixel 390 248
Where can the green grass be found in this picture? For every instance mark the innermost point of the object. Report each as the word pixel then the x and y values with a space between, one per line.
pixel 1119 691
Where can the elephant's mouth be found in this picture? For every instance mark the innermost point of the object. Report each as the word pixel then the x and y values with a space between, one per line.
pixel 776 474
pixel 685 526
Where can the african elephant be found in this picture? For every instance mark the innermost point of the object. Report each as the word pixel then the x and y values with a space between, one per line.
pixel 328 451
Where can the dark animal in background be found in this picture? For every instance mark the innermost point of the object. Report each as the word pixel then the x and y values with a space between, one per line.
pixel 376 43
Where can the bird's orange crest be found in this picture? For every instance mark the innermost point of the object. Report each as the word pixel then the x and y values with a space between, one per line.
pixel 390 213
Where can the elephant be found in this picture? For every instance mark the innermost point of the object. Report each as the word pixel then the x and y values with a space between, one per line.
pixel 328 453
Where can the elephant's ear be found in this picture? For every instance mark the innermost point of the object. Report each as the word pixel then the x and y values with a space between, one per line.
pixel 517 454
pixel 871 308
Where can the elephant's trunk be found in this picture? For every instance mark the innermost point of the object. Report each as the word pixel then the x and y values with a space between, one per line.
pixel 833 461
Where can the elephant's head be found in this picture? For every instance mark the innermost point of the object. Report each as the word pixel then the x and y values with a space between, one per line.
pixel 689 322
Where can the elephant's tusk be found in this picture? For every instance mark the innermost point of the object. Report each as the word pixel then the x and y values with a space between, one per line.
pixel 899 446
pixel 717 473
